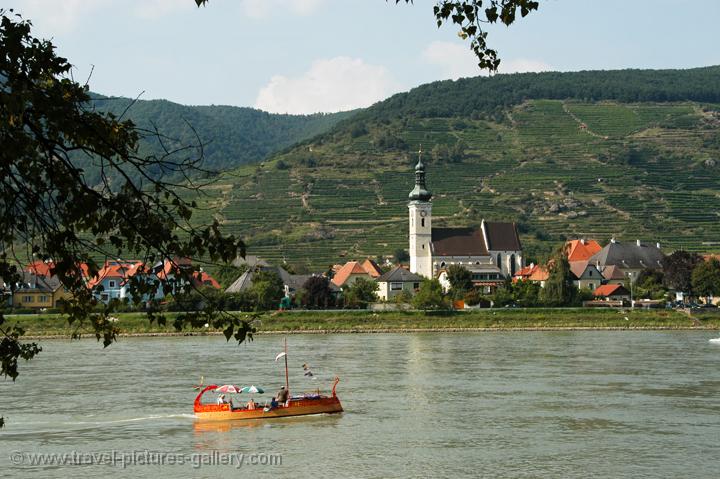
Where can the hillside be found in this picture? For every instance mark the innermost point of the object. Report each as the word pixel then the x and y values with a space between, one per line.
pixel 231 136
pixel 630 154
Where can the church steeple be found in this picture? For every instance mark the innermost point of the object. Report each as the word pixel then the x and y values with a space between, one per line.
pixel 420 192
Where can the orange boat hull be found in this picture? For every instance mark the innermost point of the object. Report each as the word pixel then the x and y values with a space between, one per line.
pixel 296 407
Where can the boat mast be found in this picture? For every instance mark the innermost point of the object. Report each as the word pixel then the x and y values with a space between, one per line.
pixel 287 382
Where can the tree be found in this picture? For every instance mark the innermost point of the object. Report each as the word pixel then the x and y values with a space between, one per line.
pixel 706 278
pixel 470 16
pixel 49 212
pixel 317 292
pixel 559 289
pixel 649 284
pixel 430 295
pixel 401 256
pixel 267 290
pixel 527 293
pixel 359 294
pixel 460 280
pixel 678 268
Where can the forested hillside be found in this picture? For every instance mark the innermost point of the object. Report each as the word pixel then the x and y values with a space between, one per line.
pixel 629 154
pixel 230 136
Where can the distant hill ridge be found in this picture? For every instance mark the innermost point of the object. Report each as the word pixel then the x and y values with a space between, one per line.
pixel 232 136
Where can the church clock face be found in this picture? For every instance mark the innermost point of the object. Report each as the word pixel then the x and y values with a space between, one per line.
pixel 423 214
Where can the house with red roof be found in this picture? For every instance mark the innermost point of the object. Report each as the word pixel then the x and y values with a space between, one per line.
pixel 353 270
pixel 612 292
pixel 45 269
pixel 581 249
pixel 111 281
pixel 533 272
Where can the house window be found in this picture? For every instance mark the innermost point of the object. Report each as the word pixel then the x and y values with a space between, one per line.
pixel 111 284
pixel 43 299
pixel 592 286
pixel 27 299
pixel 512 265
pixel 442 265
pixel 416 285
pixel 396 286
pixel 104 297
pixel 498 260
pixel 589 272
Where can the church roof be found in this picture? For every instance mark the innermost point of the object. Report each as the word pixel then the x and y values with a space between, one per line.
pixel 458 242
pixel 502 236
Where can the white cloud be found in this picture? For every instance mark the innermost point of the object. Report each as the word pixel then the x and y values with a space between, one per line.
pixel 330 85
pixel 456 60
pixel 53 16
pixel 267 8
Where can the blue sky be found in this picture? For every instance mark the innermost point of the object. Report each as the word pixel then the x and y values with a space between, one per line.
pixel 302 56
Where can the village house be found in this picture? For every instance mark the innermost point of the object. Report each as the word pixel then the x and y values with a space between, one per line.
pixel 629 258
pixel 350 271
pixel 111 281
pixel 397 281
pixel 612 292
pixel 585 275
pixel 292 283
pixel 533 272
pixel 491 252
pixel 38 292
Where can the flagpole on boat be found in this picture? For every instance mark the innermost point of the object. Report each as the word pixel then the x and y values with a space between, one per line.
pixel 287 381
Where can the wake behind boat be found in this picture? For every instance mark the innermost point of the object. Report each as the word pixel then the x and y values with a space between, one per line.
pixel 302 405
pixel 715 340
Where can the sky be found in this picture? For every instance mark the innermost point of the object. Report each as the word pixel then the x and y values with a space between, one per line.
pixel 306 56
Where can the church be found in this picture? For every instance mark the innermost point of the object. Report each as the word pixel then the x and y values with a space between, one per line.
pixel 491 253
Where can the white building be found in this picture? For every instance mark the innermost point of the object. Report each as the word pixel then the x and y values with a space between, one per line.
pixel 491 252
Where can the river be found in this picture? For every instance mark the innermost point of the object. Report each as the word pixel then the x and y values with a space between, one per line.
pixel 505 404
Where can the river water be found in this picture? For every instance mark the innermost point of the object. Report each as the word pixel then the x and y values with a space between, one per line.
pixel 514 404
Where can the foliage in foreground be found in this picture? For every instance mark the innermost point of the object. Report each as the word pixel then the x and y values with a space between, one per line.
pixel 49 212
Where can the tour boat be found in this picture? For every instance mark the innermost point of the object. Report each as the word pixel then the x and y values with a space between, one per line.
pixel 302 405
pixel 715 340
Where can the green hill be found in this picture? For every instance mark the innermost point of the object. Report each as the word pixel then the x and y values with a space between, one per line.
pixel 231 136
pixel 630 154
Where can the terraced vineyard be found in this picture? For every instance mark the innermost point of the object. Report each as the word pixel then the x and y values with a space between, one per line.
pixel 561 169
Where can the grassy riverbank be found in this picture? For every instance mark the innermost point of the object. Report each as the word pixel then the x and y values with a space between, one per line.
pixel 364 321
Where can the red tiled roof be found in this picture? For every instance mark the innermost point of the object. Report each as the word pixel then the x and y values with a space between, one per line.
pixel 610 290
pixel 581 250
pixel 204 279
pixel 372 268
pixel 540 273
pixel 344 273
pixel 44 268
pixel 116 269
pixel 534 272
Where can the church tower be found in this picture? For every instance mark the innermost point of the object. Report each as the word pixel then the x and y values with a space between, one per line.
pixel 420 223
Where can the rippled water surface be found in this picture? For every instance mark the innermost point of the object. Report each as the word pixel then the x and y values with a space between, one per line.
pixel 516 404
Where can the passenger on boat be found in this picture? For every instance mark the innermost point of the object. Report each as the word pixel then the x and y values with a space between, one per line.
pixel 282 395
pixel 273 403
pixel 251 405
pixel 221 399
